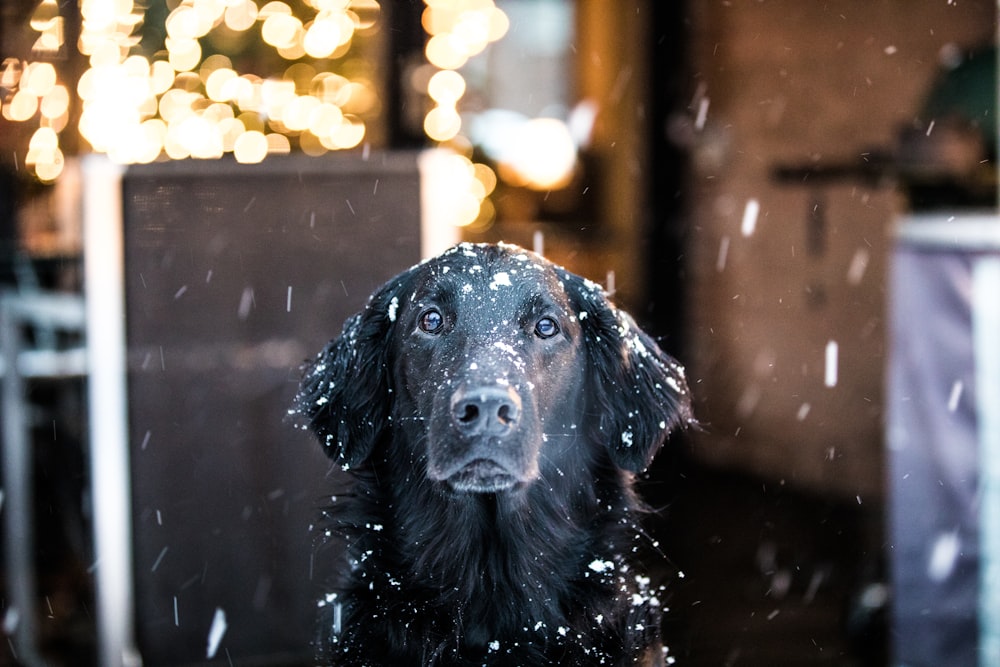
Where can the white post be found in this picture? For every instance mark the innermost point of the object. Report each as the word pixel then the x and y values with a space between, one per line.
pixel 986 312
pixel 986 346
pixel 109 447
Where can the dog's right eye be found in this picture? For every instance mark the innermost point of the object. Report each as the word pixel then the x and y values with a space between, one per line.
pixel 431 321
pixel 546 328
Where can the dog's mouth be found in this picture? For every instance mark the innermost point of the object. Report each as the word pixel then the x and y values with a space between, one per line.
pixel 482 476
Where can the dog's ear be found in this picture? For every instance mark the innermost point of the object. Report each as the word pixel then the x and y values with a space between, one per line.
pixel 639 392
pixel 346 393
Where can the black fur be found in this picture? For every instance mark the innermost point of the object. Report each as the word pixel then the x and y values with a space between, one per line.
pixel 502 542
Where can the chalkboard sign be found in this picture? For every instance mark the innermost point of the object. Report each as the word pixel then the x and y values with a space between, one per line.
pixel 234 275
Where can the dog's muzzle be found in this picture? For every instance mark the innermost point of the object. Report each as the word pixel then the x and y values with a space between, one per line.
pixel 490 412
pixel 483 446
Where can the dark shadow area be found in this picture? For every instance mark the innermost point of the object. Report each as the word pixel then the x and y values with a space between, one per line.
pixel 772 575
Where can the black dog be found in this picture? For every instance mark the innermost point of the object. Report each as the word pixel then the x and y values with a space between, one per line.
pixel 491 408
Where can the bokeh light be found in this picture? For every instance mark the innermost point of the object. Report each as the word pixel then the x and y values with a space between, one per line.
pixel 542 155
pixel 179 104
pixel 459 30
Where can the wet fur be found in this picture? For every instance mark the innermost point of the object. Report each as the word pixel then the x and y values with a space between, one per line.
pixel 538 575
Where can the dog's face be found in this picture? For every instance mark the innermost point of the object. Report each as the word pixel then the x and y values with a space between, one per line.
pixel 498 367
pixel 489 369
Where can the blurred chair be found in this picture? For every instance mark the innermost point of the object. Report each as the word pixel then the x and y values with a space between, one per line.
pixel 40 338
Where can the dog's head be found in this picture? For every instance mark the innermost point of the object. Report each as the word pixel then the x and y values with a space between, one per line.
pixel 492 363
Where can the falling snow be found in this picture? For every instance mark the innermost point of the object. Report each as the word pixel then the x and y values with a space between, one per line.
pixel 216 632
pixel 830 370
pixel 943 557
pixel 750 213
pixel 955 396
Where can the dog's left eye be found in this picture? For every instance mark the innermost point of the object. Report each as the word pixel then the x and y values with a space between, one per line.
pixel 431 321
pixel 546 328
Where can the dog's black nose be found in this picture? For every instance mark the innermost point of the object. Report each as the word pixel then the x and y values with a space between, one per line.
pixel 486 410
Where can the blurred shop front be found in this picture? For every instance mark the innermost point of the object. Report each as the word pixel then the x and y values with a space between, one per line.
pixel 797 199
pixel 942 437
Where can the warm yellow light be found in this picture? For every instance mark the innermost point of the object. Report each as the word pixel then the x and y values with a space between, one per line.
pixel 161 77
pixel 442 123
pixel 182 23
pixel 181 106
pixel 153 132
pixel 44 138
pixel 543 154
pixel 212 63
pixel 325 119
pixel 51 39
pixel 102 122
pixel 184 54
pixel 278 144
pixel 175 105
pixel 39 79
pixel 302 74
pixel 446 87
pixel 463 203
pixel 11 72
pixel 466 209
pixel 442 51
pixel 21 107
pixel 87 85
pixel 131 145
pixel 209 12
pixel 224 88
pixel 469 26
pixel 348 25
pixel 58 123
pixel 241 16
pixel 347 135
pixel 55 103
pixel 50 168
pixel 498 24
pixel 272 8
pixel 217 113
pixel 357 97
pixel 471 33
pixel 332 88
pixel 200 137
pixel 486 176
pixel 44 16
pixel 148 107
pixel 249 96
pixel 104 15
pixel 365 13
pixel 216 85
pixel 297 112
pixel 252 122
pixel 436 21
pixel 105 53
pixel 279 30
pixel 310 144
pixel 231 129
pixel 487 215
pixel 322 38
pixel 276 94
pixel 137 66
pixel 295 50
pixel 173 144
pixel 329 5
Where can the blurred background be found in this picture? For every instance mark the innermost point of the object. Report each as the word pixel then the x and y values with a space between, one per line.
pixel 797 199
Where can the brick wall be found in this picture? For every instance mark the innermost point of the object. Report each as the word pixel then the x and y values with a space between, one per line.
pixel 789 82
